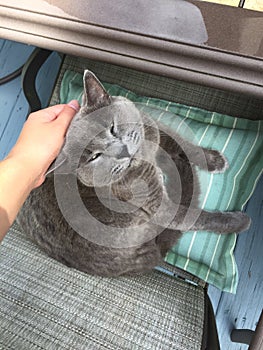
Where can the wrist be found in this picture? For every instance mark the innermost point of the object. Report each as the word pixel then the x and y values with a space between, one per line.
pixel 16 184
pixel 23 170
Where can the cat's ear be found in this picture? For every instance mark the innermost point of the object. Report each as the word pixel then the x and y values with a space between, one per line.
pixel 94 96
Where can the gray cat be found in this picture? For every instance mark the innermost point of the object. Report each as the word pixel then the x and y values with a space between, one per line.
pixel 108 209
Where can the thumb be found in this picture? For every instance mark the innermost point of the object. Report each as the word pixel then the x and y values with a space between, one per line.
pixel 68 112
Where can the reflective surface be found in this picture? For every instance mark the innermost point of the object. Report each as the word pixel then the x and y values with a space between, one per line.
pixel 193 22
pixel 225 2
pixel 233 29
pixel 254 5
pixel 170 19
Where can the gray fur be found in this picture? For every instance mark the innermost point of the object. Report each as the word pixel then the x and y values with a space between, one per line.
pixel 116 145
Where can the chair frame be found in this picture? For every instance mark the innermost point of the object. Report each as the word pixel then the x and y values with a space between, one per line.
pixel 210 336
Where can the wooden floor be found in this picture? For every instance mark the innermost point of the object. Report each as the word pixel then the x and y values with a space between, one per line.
pixel 242 310
pixel 232 311
pixel 14 108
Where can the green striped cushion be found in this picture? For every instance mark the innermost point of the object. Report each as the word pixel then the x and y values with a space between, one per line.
pixel 206 255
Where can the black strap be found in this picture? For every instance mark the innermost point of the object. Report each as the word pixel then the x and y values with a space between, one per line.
pixel 210 339
pixel 29 74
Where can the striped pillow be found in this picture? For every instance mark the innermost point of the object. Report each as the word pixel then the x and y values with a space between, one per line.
pixel 207 255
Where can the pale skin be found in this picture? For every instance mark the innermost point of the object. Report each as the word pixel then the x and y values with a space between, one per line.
pixel 25 166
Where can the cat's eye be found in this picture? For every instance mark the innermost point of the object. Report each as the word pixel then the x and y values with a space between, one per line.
pixel 112 129
pixel 95 156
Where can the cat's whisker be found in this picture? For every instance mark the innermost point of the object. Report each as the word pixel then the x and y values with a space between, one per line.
pixel 110 196
pixel 52 169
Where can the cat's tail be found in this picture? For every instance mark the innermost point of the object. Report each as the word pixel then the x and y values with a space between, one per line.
pixel 189 219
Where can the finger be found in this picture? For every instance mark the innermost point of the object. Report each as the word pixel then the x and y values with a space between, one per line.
pixel 67 114
pixel 48 114
pixel 74 104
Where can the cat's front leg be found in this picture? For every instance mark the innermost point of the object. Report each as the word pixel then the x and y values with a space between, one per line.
pixel 183 150
pixel 206 159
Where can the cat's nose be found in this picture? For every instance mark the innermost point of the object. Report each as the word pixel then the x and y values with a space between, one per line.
pixel 124 153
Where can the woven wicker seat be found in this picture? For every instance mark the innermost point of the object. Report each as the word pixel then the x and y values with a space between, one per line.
pixel 46 305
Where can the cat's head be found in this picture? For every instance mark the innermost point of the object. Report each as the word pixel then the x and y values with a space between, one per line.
pixel 104 136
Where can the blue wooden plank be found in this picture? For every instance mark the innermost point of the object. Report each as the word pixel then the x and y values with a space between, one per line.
pixel 47 77
pixel 12 56
pixel 14 125
pixel 2 41
pixel 215 296
pixel 9 95
pixel 242 311
pixel 13 104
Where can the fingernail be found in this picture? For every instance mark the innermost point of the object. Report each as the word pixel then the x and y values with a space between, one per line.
pixel 74 104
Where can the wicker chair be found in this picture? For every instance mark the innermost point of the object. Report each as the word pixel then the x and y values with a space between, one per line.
pixel 45 305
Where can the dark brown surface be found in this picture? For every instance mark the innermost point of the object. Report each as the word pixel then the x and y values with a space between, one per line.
pixel 196 42
pixel 196 22
pixel 257 341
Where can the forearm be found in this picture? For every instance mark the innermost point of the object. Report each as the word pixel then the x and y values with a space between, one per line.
pixel 25 167
pixel 16 182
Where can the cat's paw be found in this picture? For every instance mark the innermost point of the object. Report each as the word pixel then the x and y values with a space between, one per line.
pixel 216 162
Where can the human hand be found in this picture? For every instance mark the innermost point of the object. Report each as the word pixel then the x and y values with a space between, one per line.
pixel 42 138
